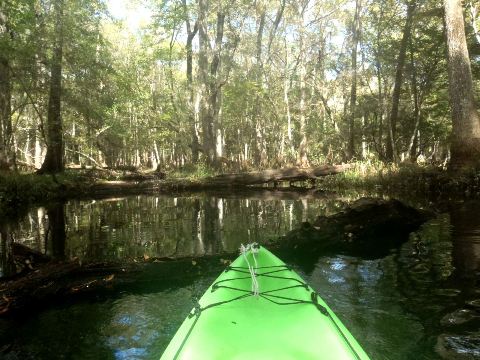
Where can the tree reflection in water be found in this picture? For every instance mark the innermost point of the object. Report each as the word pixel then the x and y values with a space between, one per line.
pixel 421 298
pixel 55 236
pixel 134 227
pixel 7 262
pixel 466 239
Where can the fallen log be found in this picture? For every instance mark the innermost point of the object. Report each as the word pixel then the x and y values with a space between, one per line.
pixel 369 228
pixel 276 175
pixel 59 280
pixel 156 182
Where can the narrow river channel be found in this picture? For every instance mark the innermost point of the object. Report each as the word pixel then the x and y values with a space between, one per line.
pixel 420 301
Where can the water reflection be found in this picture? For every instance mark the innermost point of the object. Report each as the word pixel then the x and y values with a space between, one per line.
pixel 56 235
pixel 466 238
pixel 7 262
pixel 461 323
pixel 419 301
pixel 134 227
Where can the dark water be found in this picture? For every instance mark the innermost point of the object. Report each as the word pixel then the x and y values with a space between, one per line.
pixel 422 301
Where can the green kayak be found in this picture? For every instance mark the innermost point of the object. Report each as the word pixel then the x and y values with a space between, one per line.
pixel 259 308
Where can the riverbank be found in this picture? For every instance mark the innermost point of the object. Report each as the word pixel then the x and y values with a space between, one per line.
pixel 405 179
pixel 20 190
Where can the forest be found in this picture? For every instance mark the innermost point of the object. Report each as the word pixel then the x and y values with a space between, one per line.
pixel 144 144
pixel 238 85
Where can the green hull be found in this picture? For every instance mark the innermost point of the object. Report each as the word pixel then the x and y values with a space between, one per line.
pixel 285 321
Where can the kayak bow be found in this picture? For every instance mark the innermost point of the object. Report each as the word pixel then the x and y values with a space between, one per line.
pixel 259 308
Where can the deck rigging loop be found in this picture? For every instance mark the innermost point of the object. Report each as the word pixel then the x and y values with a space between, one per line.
pixel 253 249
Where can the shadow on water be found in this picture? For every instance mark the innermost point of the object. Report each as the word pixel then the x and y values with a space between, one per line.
pixel 419 298
pixel 461 323
pixel 56 235
pixel 466 239
pixel 7 262
pixel 132 321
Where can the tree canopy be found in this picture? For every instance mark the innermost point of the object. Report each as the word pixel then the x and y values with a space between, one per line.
pixel 230 83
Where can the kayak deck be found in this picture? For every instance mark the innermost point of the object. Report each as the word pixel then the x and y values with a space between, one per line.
pixel 286 320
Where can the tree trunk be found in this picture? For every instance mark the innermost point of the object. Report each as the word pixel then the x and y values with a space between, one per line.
pixel 391 154
pixel 302 148
pixel 5 99
pixel 365 147
pixel 381 93
pixel 465 147
pixel 210 100
pixel 260 156
pixel 412 147
pixel 353 92
pixel 276 23
pixel 302 160
pixel 5 114
pixel 191 95
pixel 288 114
pixel 53 162
pixel 216 90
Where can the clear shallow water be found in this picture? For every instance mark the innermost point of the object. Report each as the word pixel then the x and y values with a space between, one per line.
pixel 422 301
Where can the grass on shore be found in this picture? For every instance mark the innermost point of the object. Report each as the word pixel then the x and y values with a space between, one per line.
pixel 193 172
pixel 17 189
pixel 401 178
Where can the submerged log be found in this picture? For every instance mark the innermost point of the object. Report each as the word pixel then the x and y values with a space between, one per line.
pixel 368 228
pixel 269 176
pixel 59 280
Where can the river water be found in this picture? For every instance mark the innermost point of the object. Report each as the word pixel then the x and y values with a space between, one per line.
pixel 420 301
